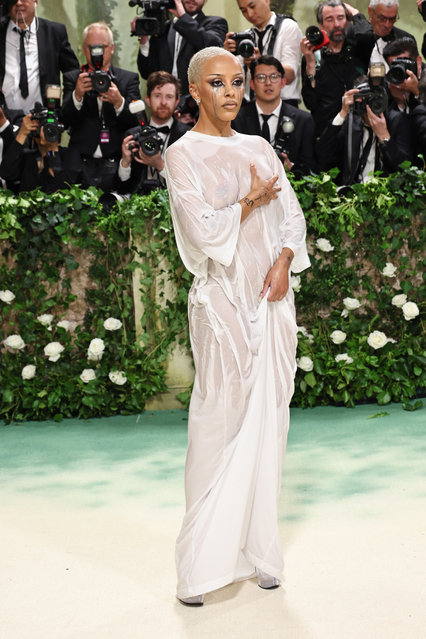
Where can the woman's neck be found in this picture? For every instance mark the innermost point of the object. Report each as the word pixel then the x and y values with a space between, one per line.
pixel 217 128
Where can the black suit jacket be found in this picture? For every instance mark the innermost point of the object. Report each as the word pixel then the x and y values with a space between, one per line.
pixel 300 143
pixel 139 171
pixel 361 35
pixel 418 122
pixel 203 31
pixel 54 52
pixel 86 124
pixel 332 147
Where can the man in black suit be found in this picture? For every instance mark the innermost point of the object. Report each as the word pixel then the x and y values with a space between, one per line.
pixel 371 37
pixel 33 52
pixel 139 172
pixel 98 119
pixel 268 115
pixel 370 142
pixel 190 31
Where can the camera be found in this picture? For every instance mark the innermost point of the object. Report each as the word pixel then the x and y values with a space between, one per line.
pixel 398 70
pixel 284 130
pixel 317 37
pixel 187 106
pixel 245 43
pixel 47 116
pixel 101 80
pixel 153 22
pixel 372 92
pixel 146 138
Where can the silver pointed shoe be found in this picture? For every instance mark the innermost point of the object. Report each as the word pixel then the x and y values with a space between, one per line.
pixel 265 581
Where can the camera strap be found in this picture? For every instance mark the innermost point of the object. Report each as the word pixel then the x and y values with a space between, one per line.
pixel 275 28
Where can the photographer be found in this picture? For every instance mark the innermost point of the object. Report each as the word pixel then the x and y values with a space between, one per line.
pixel 365 136
pixel 33 53
pixel 329 67
pixel 137 171
pixel 189 31
pixel 405 69
pixel 276 35
pixel 271 117
pixel 373 35
pixel 96 107
pixel 31 161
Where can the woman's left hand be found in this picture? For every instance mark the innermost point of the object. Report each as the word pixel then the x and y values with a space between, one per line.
pixel 277 278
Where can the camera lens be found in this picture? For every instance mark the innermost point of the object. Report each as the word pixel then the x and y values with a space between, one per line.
pixel 246 48
pixel 314 35
pixel 150 146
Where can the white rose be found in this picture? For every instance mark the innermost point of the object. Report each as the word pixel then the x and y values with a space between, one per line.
pixel 410 310
pixel 95 350
pixel 337 337
pixel 305 363
pixel 377 339
pixel 344 357
pixel 64 324
pixel 28 372
pixel 14 341
pixel 389 270
pixel 399 300
pixel 112 324
pixel 303 330
pixel 324 245
pixel 45 319
pixel 117 377
pixel 53 351
pixel 87 375
pixel 7 296
pixel 351 303
pixel 295 283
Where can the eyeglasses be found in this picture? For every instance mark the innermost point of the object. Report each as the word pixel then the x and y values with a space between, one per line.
pixel 273 77
pixel 383 19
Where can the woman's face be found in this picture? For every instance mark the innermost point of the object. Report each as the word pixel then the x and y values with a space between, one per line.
pixel 220 89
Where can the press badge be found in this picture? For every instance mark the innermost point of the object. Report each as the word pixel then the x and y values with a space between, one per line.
pixel 104 136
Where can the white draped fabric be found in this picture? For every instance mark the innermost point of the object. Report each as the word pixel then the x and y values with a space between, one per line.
pixel 244 355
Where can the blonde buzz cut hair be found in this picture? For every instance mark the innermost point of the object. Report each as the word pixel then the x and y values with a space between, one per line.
pixel 98 25
pixel 197 61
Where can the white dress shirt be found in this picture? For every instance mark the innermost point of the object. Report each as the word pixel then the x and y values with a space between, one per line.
pixel 272 121
pixel 287 51
pixel 11 90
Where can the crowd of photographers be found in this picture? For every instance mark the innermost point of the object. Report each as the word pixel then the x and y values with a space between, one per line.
pixel 361 79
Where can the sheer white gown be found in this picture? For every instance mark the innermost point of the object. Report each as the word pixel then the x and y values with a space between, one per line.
pixel 244 354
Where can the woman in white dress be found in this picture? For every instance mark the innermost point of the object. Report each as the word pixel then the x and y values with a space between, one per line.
pixel 238 228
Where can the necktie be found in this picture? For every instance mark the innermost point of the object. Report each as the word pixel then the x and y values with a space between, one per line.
pixel 260 37
pixel 23 80
pixel 365 152
pixel 265 133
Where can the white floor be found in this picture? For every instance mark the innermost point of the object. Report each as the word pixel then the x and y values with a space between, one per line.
pixel 92 558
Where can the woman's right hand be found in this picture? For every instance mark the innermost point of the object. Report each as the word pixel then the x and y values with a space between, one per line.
pixel 261 192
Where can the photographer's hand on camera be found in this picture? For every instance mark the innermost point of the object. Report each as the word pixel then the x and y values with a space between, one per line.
pixel 82 86
pixel 28 125
pixel 378 124
pixel 126 151
pixel 307 49
pixel 155 161
pixel 348 100
pixel 179 11
pixel 288 164
pixel 411 84
pixel 113 96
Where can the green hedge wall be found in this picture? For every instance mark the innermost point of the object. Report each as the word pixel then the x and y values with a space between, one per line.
pixel 362 299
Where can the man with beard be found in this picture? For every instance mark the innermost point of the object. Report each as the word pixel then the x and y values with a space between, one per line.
pixel 329 71
pixel 141 173
pixel 190 31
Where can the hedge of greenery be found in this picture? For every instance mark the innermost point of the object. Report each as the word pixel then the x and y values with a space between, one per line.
pixel 359 305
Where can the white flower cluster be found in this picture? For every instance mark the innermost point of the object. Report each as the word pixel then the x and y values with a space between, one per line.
pixel 296 283
pixel 389 270
pixel 96 350
pixel 53 351
pixel 409 309
pixel 324 245
pixel 7 296
pixel 305 363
